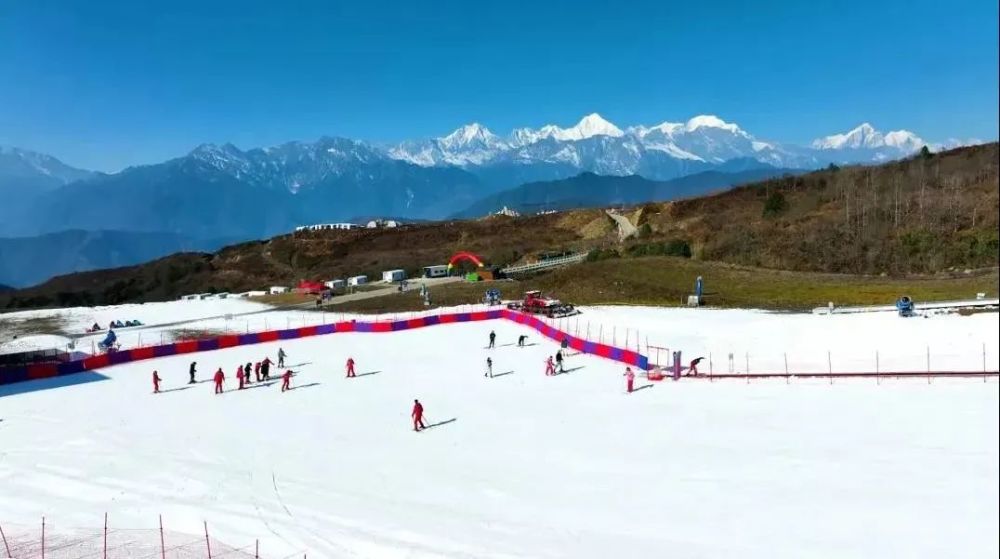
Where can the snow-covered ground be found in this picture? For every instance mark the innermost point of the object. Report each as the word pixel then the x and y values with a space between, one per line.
pixel 759 341
pixel 530 466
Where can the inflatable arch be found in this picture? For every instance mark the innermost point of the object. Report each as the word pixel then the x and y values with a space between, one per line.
pixel 459 256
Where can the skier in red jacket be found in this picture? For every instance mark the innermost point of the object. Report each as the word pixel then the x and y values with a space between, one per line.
pixel 550 367
pixel 256 370
pixel 286 380
pixel 350 367
pixel 219 378
pixel 240 375
pixel 156 383
pixel 418 416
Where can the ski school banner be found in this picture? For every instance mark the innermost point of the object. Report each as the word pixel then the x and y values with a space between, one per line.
pixel 10 375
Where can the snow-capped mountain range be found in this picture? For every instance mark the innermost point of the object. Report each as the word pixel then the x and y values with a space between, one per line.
pixel 41 170
pixel 661 151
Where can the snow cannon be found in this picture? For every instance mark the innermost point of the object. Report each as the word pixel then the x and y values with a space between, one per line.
pixel 904 306
pixel 535 303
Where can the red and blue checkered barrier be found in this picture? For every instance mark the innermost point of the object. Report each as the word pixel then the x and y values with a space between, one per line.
pixel 45 370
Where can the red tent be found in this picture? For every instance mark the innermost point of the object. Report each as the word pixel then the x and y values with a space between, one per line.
pixel 311 287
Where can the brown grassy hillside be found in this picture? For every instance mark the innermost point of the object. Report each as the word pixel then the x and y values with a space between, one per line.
pixel 931 214
pixel 922 215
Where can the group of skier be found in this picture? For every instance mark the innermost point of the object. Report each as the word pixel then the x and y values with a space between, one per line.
pixel 554 364
pixel 245 374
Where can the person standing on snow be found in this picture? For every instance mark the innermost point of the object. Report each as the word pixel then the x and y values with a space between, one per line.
pixel 246 372
pixel 156 383
pixel 550 368
pixel 286 380
pixel 281 357
pixel 265 368
pixel 693 366
pixel 520 340
pixel 191 372
pixel 256 370
pixel 629 378
pixel 240 376
pixel 489 368
pixel 350 367
pixel 220 377
pixel 559 360
pixel 418 416
pixel 493 339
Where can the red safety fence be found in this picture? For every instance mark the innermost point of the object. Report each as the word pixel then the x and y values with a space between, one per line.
pixel 58 541
pixel 46 370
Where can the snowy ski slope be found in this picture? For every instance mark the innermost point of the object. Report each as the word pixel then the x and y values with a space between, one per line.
pixel 522 465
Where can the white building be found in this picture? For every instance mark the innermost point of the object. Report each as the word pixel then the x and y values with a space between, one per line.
pixel 390 276
pixel 439 271
pixel 382 223
pixel 277 289
pixel 508 212
pixel 335 284
pixel 253 293
pixel 327 227
pixel 357 280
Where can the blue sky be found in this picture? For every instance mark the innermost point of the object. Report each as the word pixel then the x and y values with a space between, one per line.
pixel 107 84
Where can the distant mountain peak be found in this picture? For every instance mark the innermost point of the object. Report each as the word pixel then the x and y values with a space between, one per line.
pixel 711 121
pixel 862 136
pixel 23 164
pixel 904 139
pixel 590 126
pixel 471 134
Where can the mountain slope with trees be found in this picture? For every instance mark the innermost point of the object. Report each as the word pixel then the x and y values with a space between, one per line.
pixel 929 214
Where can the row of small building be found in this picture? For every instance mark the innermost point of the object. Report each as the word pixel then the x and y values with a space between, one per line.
pixel 373 224
pixel 315 287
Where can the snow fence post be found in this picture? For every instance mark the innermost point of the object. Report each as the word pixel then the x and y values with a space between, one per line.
pixel 7 547
pixel 747 356
pixel 928 364
pixel 878 380
pixel 208 544
pixel 256 549
pixel 43 537
pixel 711 369
pixel 829 365
pixel 105 555
pixel 984 363
pixel 787 378
pixel 163 547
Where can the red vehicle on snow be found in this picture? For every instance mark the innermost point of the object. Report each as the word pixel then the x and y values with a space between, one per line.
pixel 536 303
